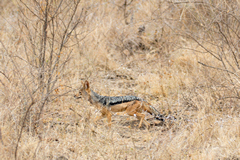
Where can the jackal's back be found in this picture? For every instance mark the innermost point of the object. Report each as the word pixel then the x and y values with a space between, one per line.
pixel 110 101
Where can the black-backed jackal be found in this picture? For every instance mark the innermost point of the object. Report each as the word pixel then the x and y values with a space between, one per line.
pixel 131 105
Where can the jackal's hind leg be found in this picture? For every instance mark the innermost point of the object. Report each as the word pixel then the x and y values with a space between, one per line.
pixel 141 117
pixel 146 123
pixel 135 110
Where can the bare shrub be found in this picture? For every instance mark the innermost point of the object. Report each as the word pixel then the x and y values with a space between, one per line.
pixel 35 69
pixel 214 27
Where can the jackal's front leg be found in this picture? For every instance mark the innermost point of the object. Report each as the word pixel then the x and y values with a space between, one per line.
pixel 109 118
pixel 104 113
pixel 98 118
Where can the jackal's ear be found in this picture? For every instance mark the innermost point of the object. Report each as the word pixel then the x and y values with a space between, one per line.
pixel 86 85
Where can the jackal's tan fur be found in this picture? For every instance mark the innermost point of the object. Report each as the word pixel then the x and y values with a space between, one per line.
pixel 130 105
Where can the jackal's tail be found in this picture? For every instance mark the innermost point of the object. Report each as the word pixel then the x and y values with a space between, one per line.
pixel 156 114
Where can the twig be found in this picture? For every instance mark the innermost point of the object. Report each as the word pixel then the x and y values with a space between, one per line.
pixel 5 76
pixel 1 136
pixel 218 68
pixel 75 112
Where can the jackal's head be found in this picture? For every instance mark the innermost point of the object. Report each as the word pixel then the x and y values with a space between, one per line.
pixel 84 91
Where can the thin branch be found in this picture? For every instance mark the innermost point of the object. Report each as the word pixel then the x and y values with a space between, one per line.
pixel 75 112
pixel 204 48
pixel 186 2
pixel 55 14
pixel 23 124
pixel 1 137
pixel 218 69
pixel 17 68
pixel 235 58
pixel 5 76
pixel 30 10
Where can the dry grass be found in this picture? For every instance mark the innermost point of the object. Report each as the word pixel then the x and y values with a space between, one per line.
pixel 159 65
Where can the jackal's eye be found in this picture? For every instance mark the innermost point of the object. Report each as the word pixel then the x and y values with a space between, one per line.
pixel 78 95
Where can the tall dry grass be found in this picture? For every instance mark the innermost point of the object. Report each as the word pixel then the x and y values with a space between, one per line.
pixel 181 56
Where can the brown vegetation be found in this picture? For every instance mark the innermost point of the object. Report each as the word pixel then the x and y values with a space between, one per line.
pixel 181 56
